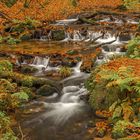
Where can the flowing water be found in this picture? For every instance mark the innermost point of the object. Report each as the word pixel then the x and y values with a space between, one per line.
pixel 59 117
pixel 66 116
pixel 62 117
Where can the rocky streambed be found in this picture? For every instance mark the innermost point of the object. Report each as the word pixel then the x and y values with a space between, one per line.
pixel 81 43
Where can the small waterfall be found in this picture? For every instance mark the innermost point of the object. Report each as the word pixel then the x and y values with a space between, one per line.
pixel 40 62
pixel 69 105
pixel 132 22
pixel 75 36
pixel 77 67
pixel 65 21
pixel 108 38
pixel 44 38
pixel 67 37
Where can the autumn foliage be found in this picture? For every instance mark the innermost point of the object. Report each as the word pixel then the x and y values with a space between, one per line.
pixel 52 9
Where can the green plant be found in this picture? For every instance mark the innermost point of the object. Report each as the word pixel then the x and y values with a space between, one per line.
pixel 5 65
pixel 21 96
pixel 130 4
pixel 133 48
pixel 119 129
pixel 1 39
pixel 6 86
pixel 124 79
pixel 6 132
pixel 9 102
pixel 65 72
pixel 72 52
pixel 9 136
pixel 122 109
pixel 27 81
pixel 12 41
pixel 74 3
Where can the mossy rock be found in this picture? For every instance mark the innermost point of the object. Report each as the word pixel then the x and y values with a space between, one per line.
pixel 46 90
pixel 25 37
pixel 28 69
pixel 58 35
pixel 101 99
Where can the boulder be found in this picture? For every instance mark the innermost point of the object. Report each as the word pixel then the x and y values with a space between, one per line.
pixel 58 35
pixel 47 90
pixel 101 99
pixel 125 37
pixel 28 69
pixel 25 37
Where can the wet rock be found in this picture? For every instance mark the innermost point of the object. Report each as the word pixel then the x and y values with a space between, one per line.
pixel 52 73
pixel 71 89
pixel 25 37
pixel 123 49
pixel 84 97
pixel 55 63
pixel 47 90
pixel 84 31
pixel 37 34
pixel 58 35
pixel 106 48
pixel 125 37
pixel 28 69
pixel 68 62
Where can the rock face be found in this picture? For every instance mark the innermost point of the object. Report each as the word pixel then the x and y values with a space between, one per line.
pixel 58 35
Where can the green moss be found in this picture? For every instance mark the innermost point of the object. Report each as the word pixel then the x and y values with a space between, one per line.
pixel 5 65
pixel 27 81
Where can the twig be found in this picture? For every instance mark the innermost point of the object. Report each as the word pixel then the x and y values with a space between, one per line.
pixel 21 132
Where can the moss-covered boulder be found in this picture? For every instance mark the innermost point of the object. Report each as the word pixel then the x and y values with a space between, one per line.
pixel 101 99
pixel 46 90
pixel 58 35
pixel 25 37
pixel 28 69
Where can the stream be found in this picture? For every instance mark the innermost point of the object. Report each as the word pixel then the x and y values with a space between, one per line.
pixel 59 117
pixel 67 116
